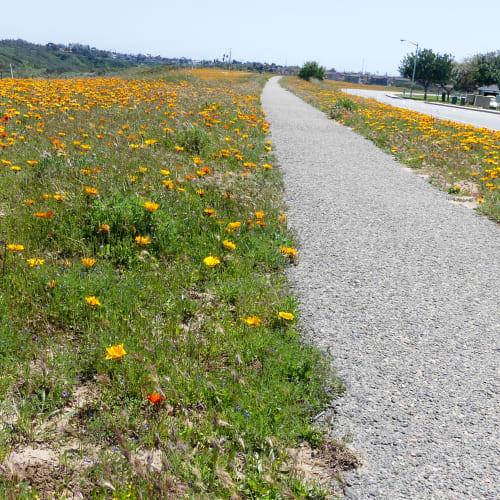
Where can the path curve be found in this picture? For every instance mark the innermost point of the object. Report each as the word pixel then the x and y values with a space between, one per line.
pixel 402 286
pixel 461 115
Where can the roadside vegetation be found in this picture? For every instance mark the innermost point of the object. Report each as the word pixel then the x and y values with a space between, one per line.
pixel 460 159
pixel 148 343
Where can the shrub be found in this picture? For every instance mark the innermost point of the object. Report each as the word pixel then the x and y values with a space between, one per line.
pixel 343 106
pixel 310 70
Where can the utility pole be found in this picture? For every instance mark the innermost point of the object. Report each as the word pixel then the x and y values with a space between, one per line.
pixel 414 65
pixel 11 72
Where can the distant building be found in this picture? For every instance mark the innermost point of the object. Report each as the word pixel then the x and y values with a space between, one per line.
pixel 353 77
pixel 378 80
pixel 398 81
pixel 489 90
pixel 334 75
pixel 289 70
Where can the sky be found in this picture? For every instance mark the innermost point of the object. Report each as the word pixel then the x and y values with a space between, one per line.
pixel 346 35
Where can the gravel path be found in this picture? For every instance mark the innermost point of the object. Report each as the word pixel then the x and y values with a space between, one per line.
pixel 403 287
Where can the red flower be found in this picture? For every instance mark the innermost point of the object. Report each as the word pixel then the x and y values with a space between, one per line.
pixel 156 399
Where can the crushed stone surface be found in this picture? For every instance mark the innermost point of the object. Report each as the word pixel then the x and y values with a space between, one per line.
pixel 402 288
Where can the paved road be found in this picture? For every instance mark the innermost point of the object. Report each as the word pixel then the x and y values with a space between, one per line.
pixel 403 287
pixel 461 115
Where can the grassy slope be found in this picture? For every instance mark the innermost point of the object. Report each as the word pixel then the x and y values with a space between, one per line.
pixel 461 159
pixel 236 395
pixel 29 59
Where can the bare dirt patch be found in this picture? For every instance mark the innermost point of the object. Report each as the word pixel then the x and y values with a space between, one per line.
pixel 323 465
pixel 46 468
pixel 465 202
pixel 55 460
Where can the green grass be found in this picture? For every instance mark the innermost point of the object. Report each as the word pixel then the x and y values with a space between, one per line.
pixel 236 396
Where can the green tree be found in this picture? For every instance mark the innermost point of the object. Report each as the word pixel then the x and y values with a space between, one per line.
pixel 430 68
pixel 310 70
pixel 478 70
pixel 487 69
pixel 463 75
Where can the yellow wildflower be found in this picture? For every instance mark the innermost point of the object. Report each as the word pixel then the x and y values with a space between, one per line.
pixel 93 301
pixel 211 261
pixel 115 352
pixel 35 262
pixel 286 315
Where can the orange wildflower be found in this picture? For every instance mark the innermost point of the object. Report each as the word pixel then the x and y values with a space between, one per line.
pixel 142 240
pixel 156 399
pixel 92 191
pixel 229 245
pixel 151 206
pixel 252 321
pixel 45 215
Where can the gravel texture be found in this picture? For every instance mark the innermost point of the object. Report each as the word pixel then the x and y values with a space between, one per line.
pixel 403 287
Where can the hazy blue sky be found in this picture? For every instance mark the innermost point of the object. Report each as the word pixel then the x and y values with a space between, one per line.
pixel 344 35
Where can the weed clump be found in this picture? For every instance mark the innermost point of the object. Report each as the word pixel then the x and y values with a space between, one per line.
pixel 342 108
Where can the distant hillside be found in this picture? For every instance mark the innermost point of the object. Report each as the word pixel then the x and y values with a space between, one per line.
pixel 54 59
pixel 29 59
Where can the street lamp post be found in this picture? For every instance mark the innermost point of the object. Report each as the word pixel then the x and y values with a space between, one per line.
pixel 414 65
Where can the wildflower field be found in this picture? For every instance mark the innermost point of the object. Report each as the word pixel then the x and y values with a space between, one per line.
pixel 461 159
pixel 148 346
